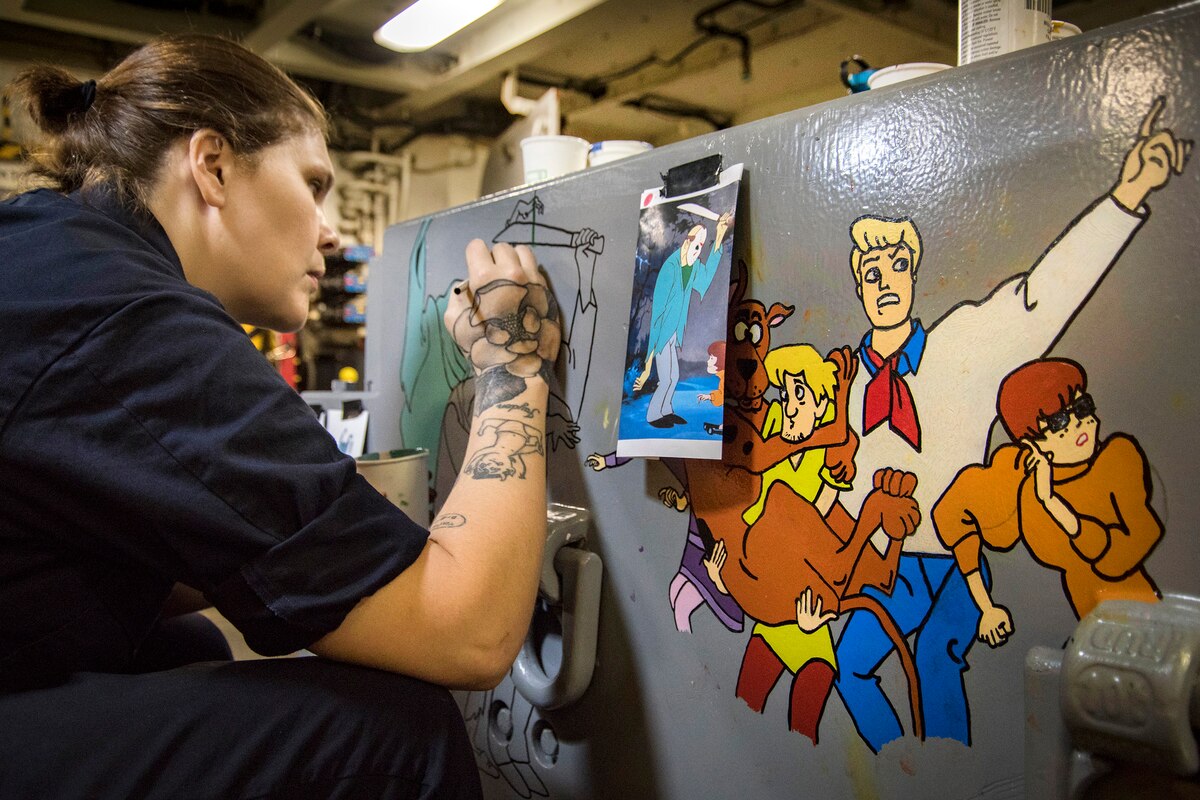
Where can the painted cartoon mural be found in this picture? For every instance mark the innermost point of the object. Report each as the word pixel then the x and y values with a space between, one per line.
pixel 789 558
pixel 579 323
pixel 431 364
pixel 1080 505
pixel 786 545
pixel 446 383
pixel 435 374
pixel 743 540
pixel 809 604
pixel 509 756
pixel 909 370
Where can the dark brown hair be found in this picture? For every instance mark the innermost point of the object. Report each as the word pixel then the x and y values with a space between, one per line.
pixel 1035 391
pixel 116 130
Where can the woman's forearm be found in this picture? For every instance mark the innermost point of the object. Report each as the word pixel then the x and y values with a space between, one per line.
pixel 459 614
pixel 493 523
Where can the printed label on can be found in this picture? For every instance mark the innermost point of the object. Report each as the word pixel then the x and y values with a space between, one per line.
pixel 989 28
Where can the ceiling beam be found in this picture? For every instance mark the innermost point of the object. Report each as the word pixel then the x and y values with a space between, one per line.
pixel 283 19
pixel 499 42
pixel 302 58
pixel 934 21
pixel 484 51
pixel 15 11
pixel 93 20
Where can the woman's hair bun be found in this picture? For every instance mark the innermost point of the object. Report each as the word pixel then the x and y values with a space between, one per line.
pixel 160 93
pixel 55 96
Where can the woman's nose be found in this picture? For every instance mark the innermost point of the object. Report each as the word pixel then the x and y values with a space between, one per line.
pixel 329 241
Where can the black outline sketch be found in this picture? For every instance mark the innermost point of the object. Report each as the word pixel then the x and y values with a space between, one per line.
pixel 524 227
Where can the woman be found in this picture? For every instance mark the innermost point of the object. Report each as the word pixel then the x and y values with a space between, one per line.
pixel 144 442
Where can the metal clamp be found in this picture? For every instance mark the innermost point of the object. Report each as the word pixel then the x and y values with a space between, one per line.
pixel 570 585
pixel 1129 688
pixel 1125 689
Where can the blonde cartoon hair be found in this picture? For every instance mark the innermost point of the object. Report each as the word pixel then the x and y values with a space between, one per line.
pixel 802 360
pixel 871 233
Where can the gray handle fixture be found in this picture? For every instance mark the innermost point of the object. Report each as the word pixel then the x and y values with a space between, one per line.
pixel 570 585
pixel 1124 691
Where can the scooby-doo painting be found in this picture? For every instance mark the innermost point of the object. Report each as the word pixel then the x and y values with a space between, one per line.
pixel 767 531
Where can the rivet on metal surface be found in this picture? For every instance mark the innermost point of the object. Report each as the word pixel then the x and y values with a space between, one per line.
pixel 500 722
pixel 545 743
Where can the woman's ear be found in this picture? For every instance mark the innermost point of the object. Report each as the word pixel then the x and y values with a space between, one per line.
pixel 209 159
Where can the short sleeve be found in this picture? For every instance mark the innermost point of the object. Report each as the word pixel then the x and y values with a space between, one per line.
pixel 166 435
pixel 828 479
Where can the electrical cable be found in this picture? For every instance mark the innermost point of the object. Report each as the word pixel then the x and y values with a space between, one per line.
pixel 673 108
pixel 705 21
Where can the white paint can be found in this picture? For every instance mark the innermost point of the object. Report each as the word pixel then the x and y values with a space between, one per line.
pixel 989 28
pixel 614 149
pixel 401 476
pixel 1061 30
pixel 899 73
pixel 547 157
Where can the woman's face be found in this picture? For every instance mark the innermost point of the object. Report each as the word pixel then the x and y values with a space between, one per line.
pixel 275 234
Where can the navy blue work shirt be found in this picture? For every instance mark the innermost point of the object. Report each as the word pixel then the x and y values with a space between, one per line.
pixel 144 441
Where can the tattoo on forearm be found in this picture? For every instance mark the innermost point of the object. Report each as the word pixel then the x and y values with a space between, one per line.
pixel 495 386
pixel 448 521
pixel 503 455
pixel 510 333
pixel 523 408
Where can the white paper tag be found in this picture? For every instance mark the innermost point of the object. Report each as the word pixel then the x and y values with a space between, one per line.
pixel 350 434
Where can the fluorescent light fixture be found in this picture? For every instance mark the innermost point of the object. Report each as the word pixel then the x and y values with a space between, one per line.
pixel 427 22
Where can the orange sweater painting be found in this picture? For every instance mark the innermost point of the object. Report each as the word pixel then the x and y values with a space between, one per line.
pixel 997 505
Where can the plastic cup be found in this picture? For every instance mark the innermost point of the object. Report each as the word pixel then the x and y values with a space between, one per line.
pixel 903 72
pixel 547 157
pixel 402 476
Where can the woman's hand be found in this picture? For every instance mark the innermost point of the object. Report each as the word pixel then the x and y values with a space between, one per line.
pixel 505 321
pixel 503 315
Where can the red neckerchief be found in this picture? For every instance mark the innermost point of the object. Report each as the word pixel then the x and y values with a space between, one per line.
pixel 889 398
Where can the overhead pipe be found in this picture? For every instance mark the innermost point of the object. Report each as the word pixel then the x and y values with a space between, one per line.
pixel 516 105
